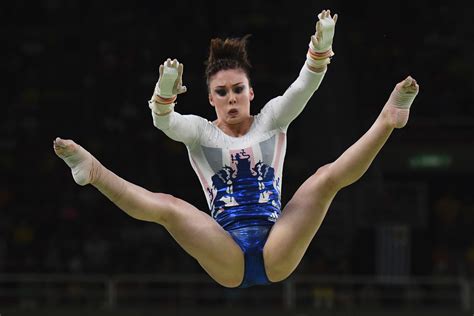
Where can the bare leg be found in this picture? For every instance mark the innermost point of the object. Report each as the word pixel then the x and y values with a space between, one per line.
pixel 304 213
pixel 194 230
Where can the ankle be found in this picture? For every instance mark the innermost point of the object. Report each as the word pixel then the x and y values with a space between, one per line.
pixel 95 171
pixel 394 117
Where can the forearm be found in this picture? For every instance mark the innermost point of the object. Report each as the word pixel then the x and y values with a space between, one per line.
pixel 287 107
pixel 162 122
pixel 178 127
pixel 182 128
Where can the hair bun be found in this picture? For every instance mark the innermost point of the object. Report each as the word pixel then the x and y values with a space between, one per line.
pixel 229 53
pixel 230 48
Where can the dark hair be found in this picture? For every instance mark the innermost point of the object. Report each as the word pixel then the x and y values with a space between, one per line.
pixel 230 53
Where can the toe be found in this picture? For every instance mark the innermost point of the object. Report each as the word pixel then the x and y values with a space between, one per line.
pixel 407 82
pixel 60 143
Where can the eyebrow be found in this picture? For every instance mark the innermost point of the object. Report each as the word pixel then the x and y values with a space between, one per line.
pixel 235 84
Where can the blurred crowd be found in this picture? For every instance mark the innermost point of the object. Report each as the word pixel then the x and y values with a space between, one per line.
pixel 84 70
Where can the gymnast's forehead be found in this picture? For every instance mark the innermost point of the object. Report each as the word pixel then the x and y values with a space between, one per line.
pixel 229 78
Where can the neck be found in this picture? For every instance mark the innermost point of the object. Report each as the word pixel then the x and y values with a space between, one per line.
pixel 235 130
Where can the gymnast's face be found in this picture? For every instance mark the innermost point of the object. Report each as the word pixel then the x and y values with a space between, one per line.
pixel 230 94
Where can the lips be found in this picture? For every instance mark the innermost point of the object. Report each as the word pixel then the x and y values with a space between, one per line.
pixel 233 112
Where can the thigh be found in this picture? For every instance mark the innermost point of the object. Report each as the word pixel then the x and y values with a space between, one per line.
pixel 205 240
pixel 299 221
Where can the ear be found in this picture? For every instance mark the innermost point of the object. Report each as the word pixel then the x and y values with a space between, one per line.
pixel 211 102
pixel 251 94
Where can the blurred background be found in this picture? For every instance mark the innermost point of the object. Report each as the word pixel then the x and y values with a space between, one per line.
pixel 399 241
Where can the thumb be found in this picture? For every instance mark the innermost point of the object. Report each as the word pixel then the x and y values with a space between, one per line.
pixel 182 89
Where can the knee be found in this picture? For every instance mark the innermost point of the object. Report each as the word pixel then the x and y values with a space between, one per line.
pixel 165 204
pixel 228 271
pixel 231 282
pixel 277 272
pixel 325 178
pixel 277 267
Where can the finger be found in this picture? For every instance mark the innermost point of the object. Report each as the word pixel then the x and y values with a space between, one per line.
pixel 161 70
pixel 335 18
pixel 59 143
pixel 320 16
pixel 328 13
pixel 174 63
pixel 180 70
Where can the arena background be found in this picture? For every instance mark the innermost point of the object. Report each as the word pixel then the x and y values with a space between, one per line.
pixel 399 241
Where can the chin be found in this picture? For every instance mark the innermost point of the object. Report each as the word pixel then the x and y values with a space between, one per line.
pixel 234 120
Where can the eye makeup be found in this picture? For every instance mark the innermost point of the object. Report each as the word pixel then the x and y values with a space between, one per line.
pixel 239 89
pixel 222 91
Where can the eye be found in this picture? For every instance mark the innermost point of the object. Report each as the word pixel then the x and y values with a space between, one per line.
pixel 221 92
pixel 238 89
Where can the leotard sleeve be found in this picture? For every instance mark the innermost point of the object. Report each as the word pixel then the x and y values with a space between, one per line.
pixel 283 109
pixel 181 128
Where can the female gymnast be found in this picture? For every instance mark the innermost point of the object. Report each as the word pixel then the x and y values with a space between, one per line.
pixel 238 158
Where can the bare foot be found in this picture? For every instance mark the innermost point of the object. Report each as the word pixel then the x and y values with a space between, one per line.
pixel 83 165
pixel 397 109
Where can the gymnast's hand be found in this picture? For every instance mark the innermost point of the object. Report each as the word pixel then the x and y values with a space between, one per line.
pixel 321 41
pixel 170 82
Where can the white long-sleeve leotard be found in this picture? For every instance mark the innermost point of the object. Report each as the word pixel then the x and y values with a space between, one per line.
pixel 242 176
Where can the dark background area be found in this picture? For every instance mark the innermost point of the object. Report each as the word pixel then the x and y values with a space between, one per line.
pixel 84 70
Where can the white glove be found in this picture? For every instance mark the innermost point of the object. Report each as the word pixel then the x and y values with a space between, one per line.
pixel 171 79
pixel 169 85
pixel 321 42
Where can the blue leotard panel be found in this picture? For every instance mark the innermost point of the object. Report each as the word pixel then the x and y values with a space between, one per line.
pixel 251 240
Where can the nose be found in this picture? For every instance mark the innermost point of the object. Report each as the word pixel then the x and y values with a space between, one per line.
pixel 232 98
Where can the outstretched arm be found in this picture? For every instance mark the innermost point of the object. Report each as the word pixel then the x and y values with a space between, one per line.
pixel 286 108
pixel 183 128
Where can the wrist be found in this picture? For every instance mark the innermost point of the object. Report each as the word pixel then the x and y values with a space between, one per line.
pixel 317 55
pixel 162 100
pixel 161 109
pixel 317 61
pixel 320 48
